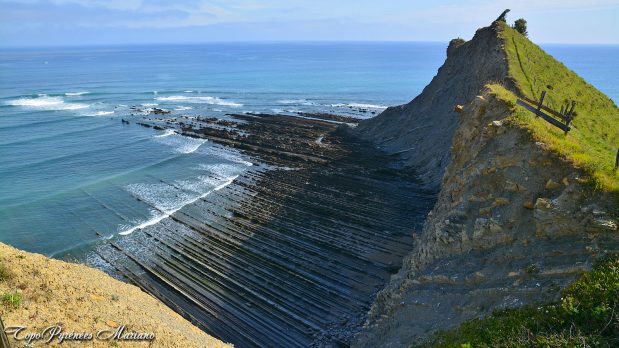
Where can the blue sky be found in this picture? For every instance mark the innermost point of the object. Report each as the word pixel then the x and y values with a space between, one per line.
pixel 80 22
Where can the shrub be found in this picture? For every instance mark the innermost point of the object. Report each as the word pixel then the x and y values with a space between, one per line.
pixel 521 26
pixel 12 299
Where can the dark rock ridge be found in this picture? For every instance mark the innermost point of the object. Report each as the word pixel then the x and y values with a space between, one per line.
pixel 421 131
pixel 292 251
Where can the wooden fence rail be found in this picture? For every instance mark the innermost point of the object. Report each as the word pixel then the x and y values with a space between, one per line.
pixel 563 118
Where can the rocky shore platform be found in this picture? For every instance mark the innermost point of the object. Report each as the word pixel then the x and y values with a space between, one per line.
pixel 293 251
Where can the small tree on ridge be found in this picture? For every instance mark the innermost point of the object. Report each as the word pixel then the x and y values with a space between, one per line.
pixel 521 26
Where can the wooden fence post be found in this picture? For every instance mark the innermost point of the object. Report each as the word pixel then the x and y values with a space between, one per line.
pixel 541 103
pixel 4 341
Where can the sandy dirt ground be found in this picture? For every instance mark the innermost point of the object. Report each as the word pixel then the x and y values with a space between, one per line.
pixel 84 300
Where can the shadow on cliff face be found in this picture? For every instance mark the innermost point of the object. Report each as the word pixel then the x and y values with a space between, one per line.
pixel 422 130
pixel 292 252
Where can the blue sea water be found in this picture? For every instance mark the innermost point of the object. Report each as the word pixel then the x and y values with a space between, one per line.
pixel 71 171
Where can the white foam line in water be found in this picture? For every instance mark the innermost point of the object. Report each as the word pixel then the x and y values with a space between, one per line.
pixel 74 94
pixel 359 105
pixel 191 149
pixel 296 101
pixel 181 143
pixel 167 214
pixel 166 134
pixel 207 100
pixel 100 113
pixel 46 102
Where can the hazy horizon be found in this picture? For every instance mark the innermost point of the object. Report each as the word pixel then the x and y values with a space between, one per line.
pixel 69 23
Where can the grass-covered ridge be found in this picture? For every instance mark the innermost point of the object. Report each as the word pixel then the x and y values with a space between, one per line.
pixel 586 316
pixel 594 139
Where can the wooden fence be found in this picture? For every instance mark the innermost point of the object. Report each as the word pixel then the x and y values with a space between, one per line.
pixel 4 341
pixel 560 119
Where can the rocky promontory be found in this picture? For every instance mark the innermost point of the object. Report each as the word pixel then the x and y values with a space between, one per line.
pixel 523 208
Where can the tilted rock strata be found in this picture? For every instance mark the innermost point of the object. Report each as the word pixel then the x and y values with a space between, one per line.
pixel 499 236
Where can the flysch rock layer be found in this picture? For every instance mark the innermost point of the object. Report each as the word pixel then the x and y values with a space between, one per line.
pixel 513 223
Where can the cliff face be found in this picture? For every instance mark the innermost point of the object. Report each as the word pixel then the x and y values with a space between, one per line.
pixel 49 292
pixel 516 219
pixel 513 225
pixel 421 131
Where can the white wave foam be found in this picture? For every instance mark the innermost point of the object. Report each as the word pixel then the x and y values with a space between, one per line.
pixel 46 102
pixel 182 144
pixel 358 105
pixel 189 91
pixel 226 154
pixel 167 133
pixel 282 111
pixel 100 113
pixel 147 191
pixel 207 100
pixel 221 170
pixel 296 102
pixel 183 108
pixel 74 94
pixel 149 104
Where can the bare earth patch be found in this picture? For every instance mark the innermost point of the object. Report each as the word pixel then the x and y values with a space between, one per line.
pixel 82 299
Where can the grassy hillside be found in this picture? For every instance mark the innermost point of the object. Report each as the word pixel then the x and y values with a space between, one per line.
pixel 586 316
pixel 594 139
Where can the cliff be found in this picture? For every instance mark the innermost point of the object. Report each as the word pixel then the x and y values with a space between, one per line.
pixel 38 292
pixel 421 131
pixel 523 210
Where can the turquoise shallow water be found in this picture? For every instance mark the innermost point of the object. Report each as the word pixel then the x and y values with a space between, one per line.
pixel 69 169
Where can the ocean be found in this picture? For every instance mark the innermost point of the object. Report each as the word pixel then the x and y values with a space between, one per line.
pixel 72 174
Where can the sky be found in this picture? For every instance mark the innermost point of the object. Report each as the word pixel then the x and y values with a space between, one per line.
pixel 104 22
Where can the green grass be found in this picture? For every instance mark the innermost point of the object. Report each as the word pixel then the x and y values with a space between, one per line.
pixel 11 299
pixel 586 316
pixel 594 139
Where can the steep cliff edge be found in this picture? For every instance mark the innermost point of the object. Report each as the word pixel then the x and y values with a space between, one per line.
pixel 523 210
pixel 38 292
pixel 421 131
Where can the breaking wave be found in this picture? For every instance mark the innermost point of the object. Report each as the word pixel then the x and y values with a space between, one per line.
pixel 205 99
pixel 45 102
pixel 181 144
pixel 358 105
pixel 167 199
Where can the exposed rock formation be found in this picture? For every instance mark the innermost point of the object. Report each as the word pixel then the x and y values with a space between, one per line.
pixel 421 131
pixel 513 225
pixel 292 250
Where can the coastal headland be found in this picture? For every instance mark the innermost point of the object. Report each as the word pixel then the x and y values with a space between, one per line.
pixel 382 232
